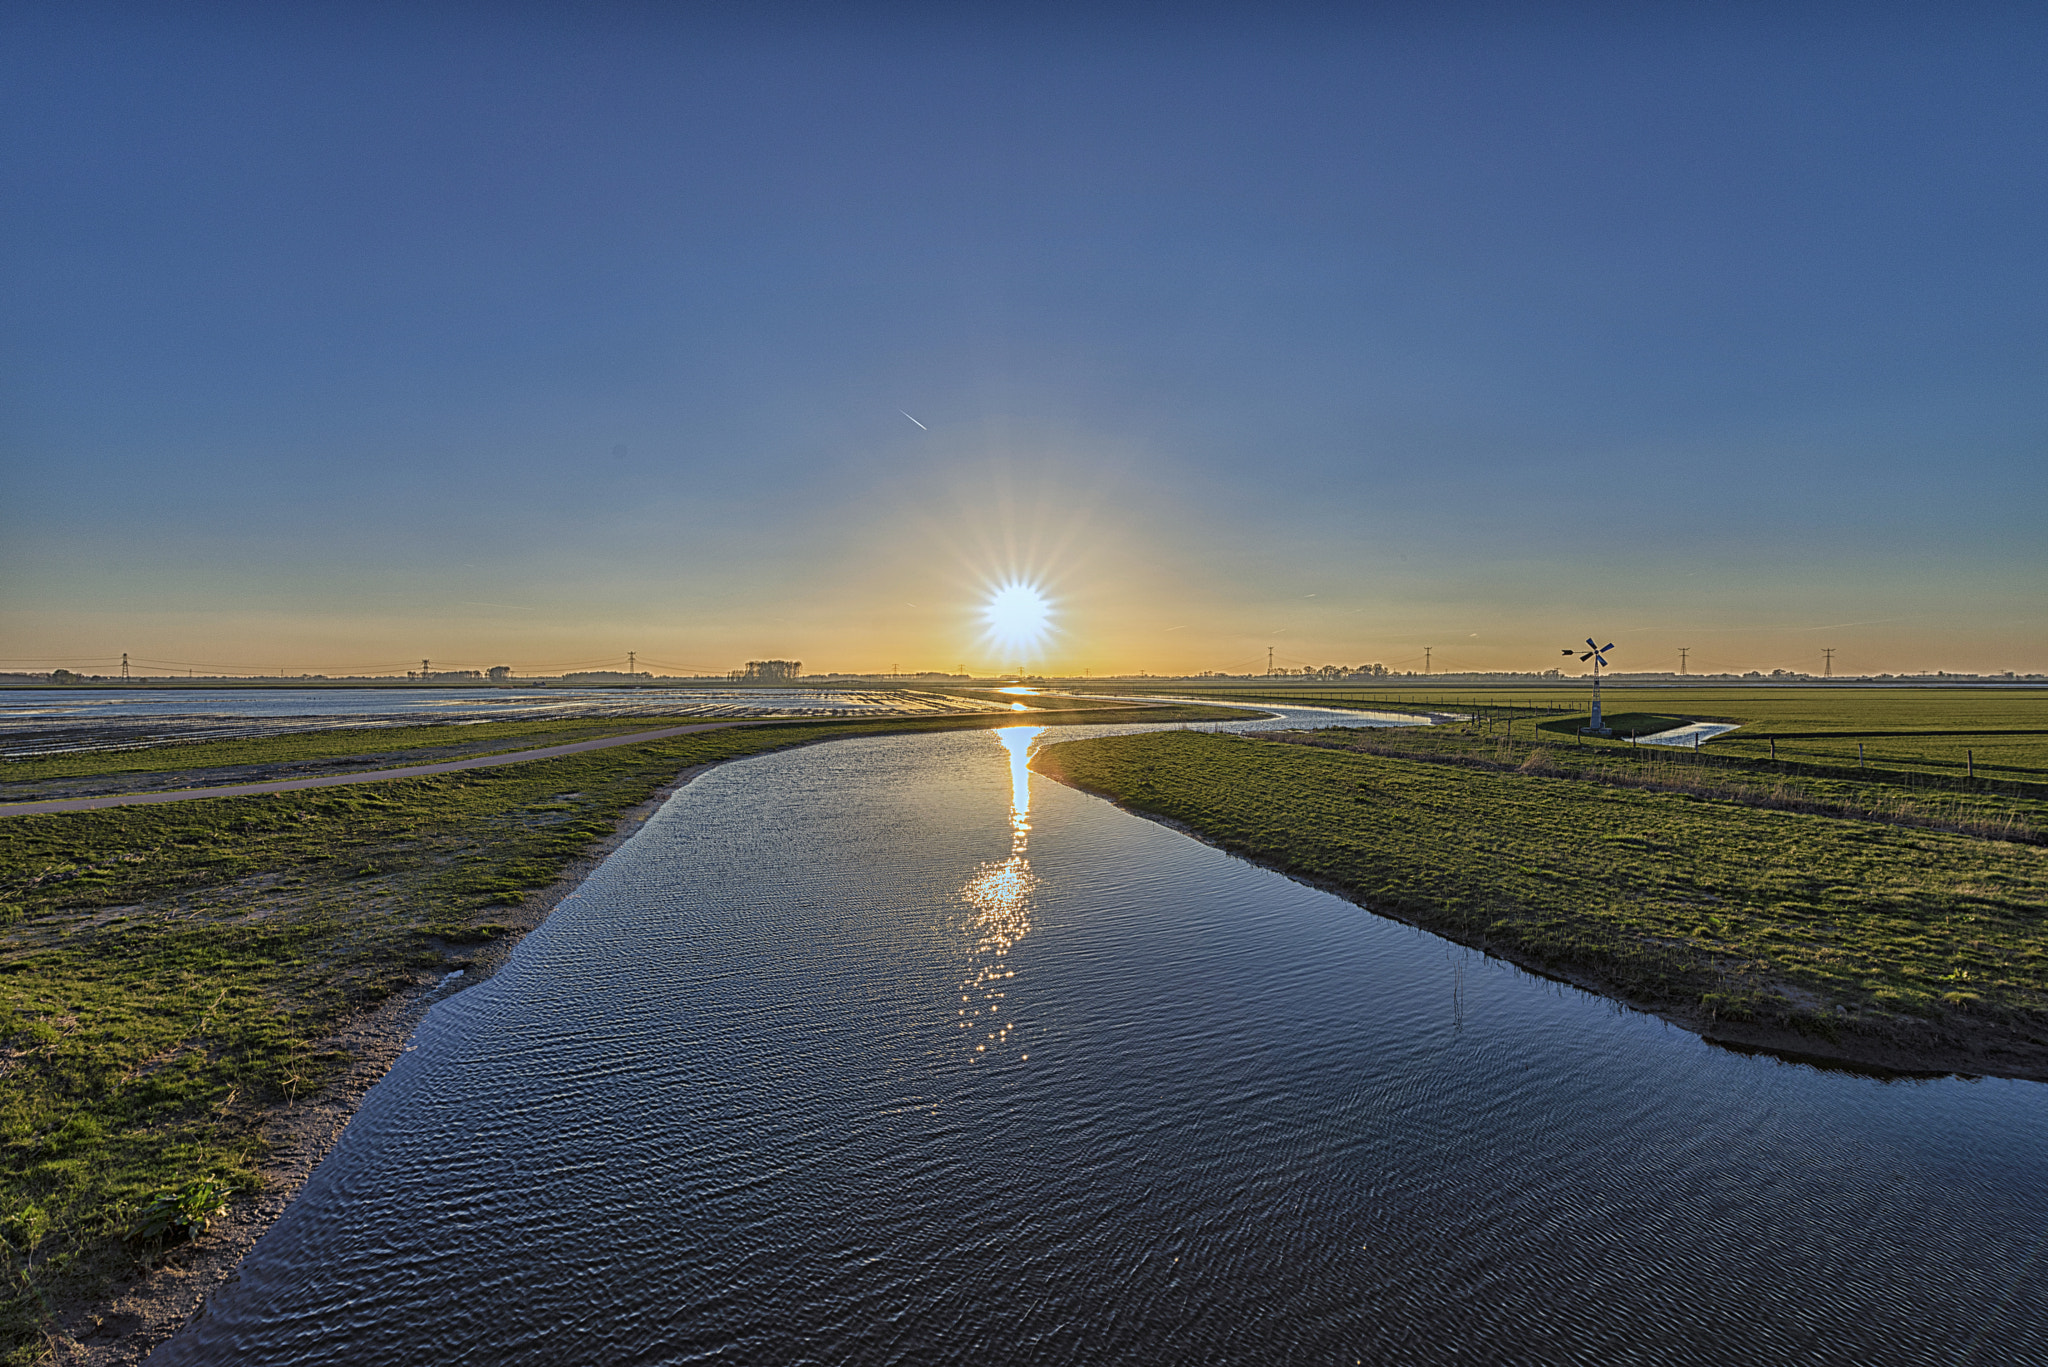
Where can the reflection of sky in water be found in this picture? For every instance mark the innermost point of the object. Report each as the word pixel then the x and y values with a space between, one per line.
pixel 319 702
pixel 53 721
pixel 1000 894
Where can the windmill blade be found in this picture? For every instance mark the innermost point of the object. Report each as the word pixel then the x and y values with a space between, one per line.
pixel 1582 658
pixel 1602 659
pixel 1590 645
pixel 1609 646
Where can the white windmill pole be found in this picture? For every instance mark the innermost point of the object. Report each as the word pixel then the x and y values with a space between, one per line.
pixel 1596 693
pixel 1598 655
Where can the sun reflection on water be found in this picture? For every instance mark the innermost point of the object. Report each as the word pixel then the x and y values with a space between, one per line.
pixel 1000 894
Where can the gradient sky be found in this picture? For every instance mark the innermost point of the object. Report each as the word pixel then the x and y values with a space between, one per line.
pixel 333 337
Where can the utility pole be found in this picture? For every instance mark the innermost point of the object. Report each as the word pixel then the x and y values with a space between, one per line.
pixel 1269 662
pixel 124 666
pixel 425 667
pixel 1683 651
pixel 1827 670
pixel 632 662
pixel 1425 659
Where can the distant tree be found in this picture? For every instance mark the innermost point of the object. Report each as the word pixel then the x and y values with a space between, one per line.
pixel 500 673
pixel 65 676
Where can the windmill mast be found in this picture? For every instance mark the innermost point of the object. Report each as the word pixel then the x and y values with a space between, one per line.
pixel 1595 727
pixel 1598 655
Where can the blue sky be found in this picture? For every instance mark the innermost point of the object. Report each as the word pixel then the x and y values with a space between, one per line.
pixel 336 337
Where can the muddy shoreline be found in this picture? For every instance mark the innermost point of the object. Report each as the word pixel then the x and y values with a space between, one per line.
pixel 148 1307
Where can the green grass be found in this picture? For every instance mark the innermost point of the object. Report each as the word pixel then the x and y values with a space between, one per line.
pixel 1905 732
pixel 1764 707
pixel 168 973
pixel 1858 746
pixel 400 744
pixel 1838 929
pixel 2021 758
pixel 1623 724
pixel 1997 806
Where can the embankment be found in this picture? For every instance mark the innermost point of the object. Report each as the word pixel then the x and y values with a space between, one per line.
pixel 1869 945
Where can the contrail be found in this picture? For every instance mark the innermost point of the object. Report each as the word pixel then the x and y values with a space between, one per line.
pixel 920 426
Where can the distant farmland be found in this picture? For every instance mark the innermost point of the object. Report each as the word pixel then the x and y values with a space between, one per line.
pixel 1930 734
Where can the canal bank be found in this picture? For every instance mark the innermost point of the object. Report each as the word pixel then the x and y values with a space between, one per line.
pixel 429 880
pixel 1857 942
pixel 849 1043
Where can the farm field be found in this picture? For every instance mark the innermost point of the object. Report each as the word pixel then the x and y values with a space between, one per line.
pixel 203 763
pixel 1864 939
pixel 1779 709
pixel 338 749
pixel 1904 731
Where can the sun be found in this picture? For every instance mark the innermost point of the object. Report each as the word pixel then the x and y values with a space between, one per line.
pixel 1017 617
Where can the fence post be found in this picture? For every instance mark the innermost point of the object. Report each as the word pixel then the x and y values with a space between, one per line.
pixel 1970 758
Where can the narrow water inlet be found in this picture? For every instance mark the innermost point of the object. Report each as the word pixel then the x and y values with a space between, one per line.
pixel 1691 735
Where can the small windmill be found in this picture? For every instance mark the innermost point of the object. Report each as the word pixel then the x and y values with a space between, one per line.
pixel 1598 655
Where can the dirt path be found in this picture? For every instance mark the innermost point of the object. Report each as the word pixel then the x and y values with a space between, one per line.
pixel 286 785
pixel 86 804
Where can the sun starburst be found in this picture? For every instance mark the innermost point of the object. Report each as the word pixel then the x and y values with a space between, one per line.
pixel 1017 618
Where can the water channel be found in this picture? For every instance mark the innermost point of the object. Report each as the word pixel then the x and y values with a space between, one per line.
pixel 886 1050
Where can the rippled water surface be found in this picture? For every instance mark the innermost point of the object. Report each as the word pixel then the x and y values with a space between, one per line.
pixel 884 1051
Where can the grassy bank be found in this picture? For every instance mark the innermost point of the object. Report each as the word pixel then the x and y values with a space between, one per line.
pixel 1870 941
pixel 168 974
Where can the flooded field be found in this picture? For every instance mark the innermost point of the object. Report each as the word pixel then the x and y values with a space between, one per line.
pixel 60 721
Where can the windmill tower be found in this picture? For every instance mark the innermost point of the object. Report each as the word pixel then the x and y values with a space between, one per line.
pixel 1598 655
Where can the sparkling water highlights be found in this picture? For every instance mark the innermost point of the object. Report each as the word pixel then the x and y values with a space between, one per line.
pixel 887 1051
